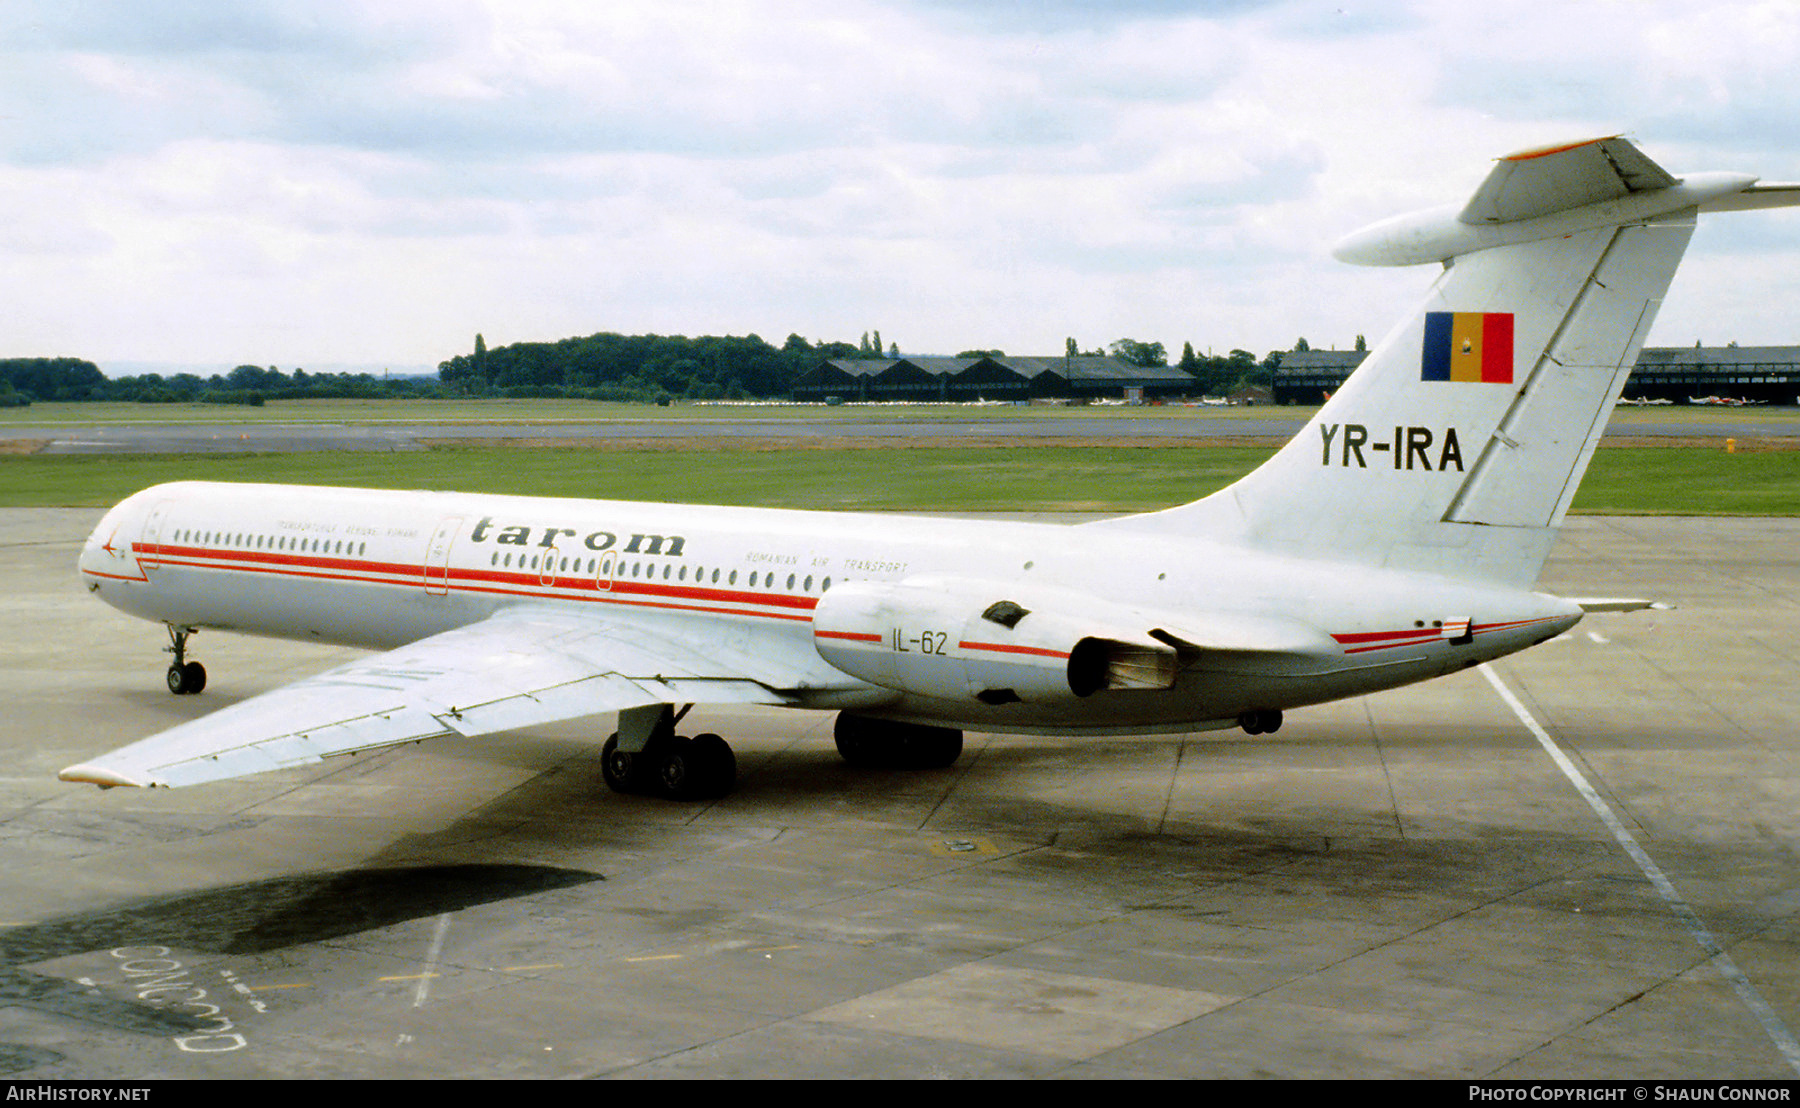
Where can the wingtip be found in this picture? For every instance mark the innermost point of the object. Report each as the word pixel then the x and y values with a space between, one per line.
pixel 98 775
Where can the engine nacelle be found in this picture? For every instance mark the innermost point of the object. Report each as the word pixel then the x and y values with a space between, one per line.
pixel 955 638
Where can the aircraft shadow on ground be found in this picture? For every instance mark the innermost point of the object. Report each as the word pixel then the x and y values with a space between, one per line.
pixel 252 918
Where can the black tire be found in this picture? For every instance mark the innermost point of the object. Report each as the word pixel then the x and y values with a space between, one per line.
pixel 935 747
pixel 852 738
pixel 1263 721
pixel 177 681
pixel 677 773
pixel 718 764
pixel 886 744
pixel 617 768
pixel 193 677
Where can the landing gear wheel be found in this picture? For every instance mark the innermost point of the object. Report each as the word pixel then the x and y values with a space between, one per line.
pixel 701 768
pixel 617 768
pixel 718 762
pixel 936 747
pixel 186 678
pixel 677 770
pixel 1264 721
pixel 853 743
pixel 885 744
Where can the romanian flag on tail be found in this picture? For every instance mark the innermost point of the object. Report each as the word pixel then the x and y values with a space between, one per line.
pixel 1468 346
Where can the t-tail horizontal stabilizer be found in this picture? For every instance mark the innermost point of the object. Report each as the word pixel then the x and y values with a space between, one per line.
pixel 1456 447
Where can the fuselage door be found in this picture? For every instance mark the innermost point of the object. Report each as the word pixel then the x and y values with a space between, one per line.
pixel 437 556
pixel 547 570
pixel 603 573
pixel 148 547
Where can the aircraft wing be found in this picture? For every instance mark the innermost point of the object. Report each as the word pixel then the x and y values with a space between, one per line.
pixel 522 666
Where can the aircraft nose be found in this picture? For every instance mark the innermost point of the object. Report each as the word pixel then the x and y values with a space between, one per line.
pixel 92 555
pixel 101 552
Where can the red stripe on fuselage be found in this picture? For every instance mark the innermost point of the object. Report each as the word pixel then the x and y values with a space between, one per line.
pixel 492 582
pixel 1362 642
pixel 852 636
pixel 1008 648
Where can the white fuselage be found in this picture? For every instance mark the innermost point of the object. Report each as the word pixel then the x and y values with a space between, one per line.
pixel 380 569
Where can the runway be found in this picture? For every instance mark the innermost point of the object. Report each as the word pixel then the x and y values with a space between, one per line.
pixel 935 424
pixel 1405 885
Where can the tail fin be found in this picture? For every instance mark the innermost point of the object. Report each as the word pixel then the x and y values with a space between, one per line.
pixel 1457 445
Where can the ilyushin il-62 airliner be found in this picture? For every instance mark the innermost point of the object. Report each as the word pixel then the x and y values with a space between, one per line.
pixel 1396 538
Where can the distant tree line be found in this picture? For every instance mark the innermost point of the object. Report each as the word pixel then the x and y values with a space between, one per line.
pixel 23 380
pixel 605 366
pixel 652 368
pixel 664 368
pixel 28 379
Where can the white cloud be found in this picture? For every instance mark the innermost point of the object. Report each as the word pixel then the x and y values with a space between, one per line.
pixel 308 183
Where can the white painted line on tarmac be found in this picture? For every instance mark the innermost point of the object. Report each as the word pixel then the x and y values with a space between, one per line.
pixel 1765 1015
pixel 431 960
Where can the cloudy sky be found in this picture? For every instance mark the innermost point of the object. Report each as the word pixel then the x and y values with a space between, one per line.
pixel 372 182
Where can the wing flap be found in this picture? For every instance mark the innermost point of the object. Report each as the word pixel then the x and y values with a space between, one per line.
pixel 518 668
pixel 591 695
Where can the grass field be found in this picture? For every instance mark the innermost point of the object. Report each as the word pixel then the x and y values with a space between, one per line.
pixel 1621 481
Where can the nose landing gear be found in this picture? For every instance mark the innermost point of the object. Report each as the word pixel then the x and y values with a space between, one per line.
pixel 185 678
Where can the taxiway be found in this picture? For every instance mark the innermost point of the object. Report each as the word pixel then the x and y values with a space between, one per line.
pixel 1405 885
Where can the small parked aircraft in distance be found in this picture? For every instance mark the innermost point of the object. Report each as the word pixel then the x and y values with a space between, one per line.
pixel 1396 538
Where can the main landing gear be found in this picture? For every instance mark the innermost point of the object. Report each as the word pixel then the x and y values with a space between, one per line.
pixel 666 764
pixel 886 744
pixel 646 756
pixel 185 677
pixel 1263 721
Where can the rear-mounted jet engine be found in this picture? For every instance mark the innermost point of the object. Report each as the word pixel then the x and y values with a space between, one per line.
pixel 961 639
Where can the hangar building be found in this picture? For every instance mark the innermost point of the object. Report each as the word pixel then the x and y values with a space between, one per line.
pixel 926 379
pixel 1679 375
